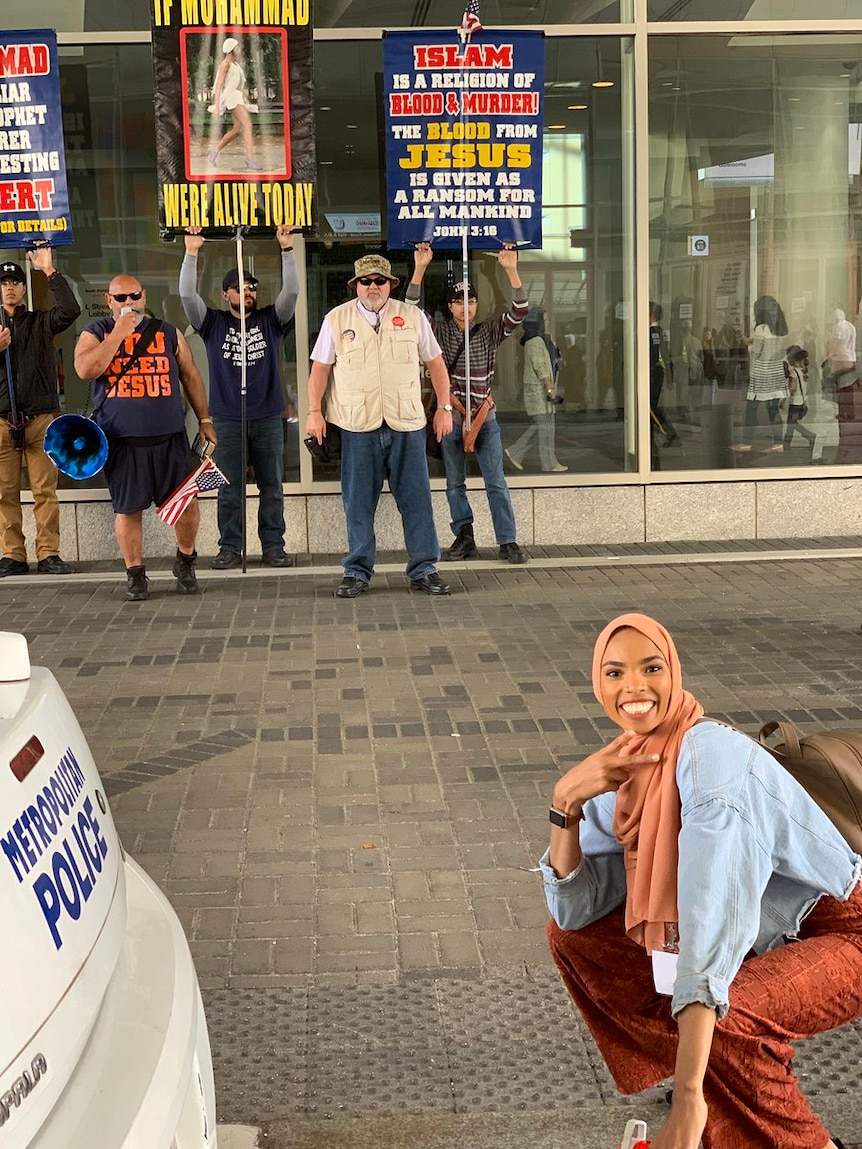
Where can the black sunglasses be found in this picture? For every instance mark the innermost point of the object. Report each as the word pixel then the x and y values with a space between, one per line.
pixel 367 280
pixel 122 296
pixel 250 285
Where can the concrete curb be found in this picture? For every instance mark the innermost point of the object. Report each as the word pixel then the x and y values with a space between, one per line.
pixel 238 1137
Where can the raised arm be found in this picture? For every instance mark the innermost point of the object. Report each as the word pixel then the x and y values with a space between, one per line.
pixel 421 262
pixel 193 305
pixel 285 302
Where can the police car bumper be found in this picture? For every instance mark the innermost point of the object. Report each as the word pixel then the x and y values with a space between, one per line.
pixel 144 1079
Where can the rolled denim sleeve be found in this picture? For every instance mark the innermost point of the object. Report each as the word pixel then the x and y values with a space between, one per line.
pixel 598 885
pixel 724 869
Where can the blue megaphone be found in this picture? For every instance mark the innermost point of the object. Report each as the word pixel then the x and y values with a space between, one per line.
pixel 76 446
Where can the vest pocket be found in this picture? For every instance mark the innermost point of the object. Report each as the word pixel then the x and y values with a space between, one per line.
pixel 404 349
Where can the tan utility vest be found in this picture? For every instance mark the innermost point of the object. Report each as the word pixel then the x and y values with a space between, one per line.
pixel 375 377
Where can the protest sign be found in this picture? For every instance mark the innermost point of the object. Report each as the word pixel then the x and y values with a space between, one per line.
pixel 34 198
pixel 464 138
pixel 234 115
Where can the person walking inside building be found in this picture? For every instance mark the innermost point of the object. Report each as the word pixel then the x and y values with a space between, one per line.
pixel 484 436
pixel 31 404
pixel 265 402
pixel 138 366
pixel 541 397
pixel 366 365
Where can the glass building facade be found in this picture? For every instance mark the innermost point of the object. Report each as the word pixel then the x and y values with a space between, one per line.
pixel 702 168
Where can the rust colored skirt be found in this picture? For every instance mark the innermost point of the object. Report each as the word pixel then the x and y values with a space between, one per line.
pixel 807 987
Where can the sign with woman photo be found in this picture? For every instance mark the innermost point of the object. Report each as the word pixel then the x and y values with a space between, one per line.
pixel 234 118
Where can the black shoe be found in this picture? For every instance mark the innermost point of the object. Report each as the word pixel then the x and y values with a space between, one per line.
pixel 226 559
pixel 53 564
pixel 12 567
pixel 350 587
pixel 512 553
pixel 464 546
pixel 184 569
pixel 276 558
pixel 430 584
pixel 136 584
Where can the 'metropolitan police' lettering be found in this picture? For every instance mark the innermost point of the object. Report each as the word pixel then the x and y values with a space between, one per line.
pixel 59 839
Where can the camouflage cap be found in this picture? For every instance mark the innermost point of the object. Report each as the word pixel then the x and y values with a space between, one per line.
pixel 373 265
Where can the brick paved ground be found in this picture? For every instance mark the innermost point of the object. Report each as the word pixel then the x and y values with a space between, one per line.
pixel 343 800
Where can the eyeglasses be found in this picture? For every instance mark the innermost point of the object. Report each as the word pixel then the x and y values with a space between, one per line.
pixel 122 296
pixel 367 280
pixel 250 285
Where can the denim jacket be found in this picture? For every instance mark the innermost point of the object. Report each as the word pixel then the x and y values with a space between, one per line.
pixel 755 855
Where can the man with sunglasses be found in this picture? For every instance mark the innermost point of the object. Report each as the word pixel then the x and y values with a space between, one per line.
pixel 27 343
pixel 138 367
pixel 265 402
pixel 485 438
pixel 366 363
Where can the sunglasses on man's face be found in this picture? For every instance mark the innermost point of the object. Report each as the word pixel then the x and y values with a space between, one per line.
pixel 368 280
pixel 250 285
pixel 122 296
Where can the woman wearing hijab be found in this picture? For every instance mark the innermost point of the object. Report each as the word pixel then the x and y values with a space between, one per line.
pixel 229 96
pixel 541 366
pixel 682 858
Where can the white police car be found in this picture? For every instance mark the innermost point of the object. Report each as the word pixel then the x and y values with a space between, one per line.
pixel 103 1041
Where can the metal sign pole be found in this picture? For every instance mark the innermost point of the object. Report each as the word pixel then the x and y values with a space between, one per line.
pixel 242 394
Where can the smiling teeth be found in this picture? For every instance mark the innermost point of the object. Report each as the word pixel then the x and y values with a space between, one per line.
pixel 637 707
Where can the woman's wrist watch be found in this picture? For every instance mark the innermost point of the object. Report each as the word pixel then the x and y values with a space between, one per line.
pixel 447 407
pixel 563 820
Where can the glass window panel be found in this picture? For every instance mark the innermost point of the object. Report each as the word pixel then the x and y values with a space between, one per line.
pixel 582 277
pixel 109 126
pixel 704 10
pixel 494 13
pixel 755 202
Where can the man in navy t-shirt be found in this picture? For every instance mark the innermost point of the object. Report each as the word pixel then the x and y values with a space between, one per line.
pixel 137 396
pixel 220 331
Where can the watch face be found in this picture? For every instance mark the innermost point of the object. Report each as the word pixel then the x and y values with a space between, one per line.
pixel 447 407
pixel 558 818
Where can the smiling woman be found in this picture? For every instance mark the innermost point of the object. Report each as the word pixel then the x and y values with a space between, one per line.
pixel 684 846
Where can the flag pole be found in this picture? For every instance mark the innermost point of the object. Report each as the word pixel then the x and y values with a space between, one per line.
pixel 243 382
pixel 465 32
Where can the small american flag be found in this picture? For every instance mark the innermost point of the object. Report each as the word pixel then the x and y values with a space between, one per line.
pixel 206 478
pixel 470 21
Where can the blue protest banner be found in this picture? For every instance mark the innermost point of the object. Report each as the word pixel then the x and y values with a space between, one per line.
pixel 464 138
pixel 34 198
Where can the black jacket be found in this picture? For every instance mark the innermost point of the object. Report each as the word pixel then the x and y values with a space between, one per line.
pixel 34 360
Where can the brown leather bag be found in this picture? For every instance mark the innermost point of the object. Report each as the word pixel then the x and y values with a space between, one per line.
pixel 828 765
pixel 477 418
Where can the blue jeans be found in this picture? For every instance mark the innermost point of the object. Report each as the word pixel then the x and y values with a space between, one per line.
pixel 367 457
pixel 489 456
pixel 265 447
pixel 752 406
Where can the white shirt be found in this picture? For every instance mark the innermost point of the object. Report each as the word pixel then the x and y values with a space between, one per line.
pixel 324 348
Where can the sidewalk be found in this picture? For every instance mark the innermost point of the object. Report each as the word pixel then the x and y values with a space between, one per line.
pixel 343 799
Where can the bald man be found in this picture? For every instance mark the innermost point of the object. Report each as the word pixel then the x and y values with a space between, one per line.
pixel 139 406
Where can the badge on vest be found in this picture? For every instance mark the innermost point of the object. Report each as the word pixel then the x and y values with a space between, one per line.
pixel 397 321
pixel 348 336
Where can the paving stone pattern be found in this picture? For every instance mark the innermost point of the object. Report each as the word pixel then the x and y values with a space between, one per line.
pixel 343 800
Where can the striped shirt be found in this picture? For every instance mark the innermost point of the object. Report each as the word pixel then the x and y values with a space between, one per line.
pixel 485 338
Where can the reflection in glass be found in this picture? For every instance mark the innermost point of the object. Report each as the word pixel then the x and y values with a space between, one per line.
pixel 755 156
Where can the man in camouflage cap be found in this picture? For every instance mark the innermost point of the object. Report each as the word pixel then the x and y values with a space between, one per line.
pixel 366 363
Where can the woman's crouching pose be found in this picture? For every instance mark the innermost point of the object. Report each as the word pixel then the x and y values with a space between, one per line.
pixel 706 913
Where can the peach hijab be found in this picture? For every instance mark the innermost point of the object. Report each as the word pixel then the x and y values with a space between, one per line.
pixel 647 818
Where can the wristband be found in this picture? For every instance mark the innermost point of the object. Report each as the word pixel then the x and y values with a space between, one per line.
pixel 204 421
pixel 563 820
pixel 314 410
